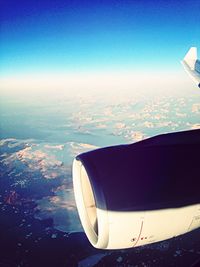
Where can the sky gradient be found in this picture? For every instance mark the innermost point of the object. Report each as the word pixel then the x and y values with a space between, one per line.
pixel 45 37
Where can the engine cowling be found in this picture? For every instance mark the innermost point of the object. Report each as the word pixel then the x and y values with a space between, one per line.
pixel 136 194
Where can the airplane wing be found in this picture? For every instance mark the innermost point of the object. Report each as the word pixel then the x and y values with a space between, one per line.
pixel 191 65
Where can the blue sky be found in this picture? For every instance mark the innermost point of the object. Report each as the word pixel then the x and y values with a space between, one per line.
pixel 53 36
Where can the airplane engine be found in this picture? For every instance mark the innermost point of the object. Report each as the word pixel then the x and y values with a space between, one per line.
pixel 137 194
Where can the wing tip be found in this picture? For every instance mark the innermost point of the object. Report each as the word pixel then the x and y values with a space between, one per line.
pixel 191 57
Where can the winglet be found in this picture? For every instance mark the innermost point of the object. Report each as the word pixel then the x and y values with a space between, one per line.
pixel 191 65
pixel 191 57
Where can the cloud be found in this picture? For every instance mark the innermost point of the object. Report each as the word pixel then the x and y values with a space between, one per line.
pixel 148 124
pixel 113 84
pixel 196 108
pixel 135 136
pixel 78 148
pixel 159 117
pixel 57 147
pixel 120 125
pixel 167 124
pixel 195 126
pixel 101 126
pixel 182 115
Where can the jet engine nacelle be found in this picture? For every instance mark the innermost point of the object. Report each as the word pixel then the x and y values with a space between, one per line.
pixel 137 194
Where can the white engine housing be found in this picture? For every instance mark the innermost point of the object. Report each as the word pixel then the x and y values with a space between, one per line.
pixel 109 228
